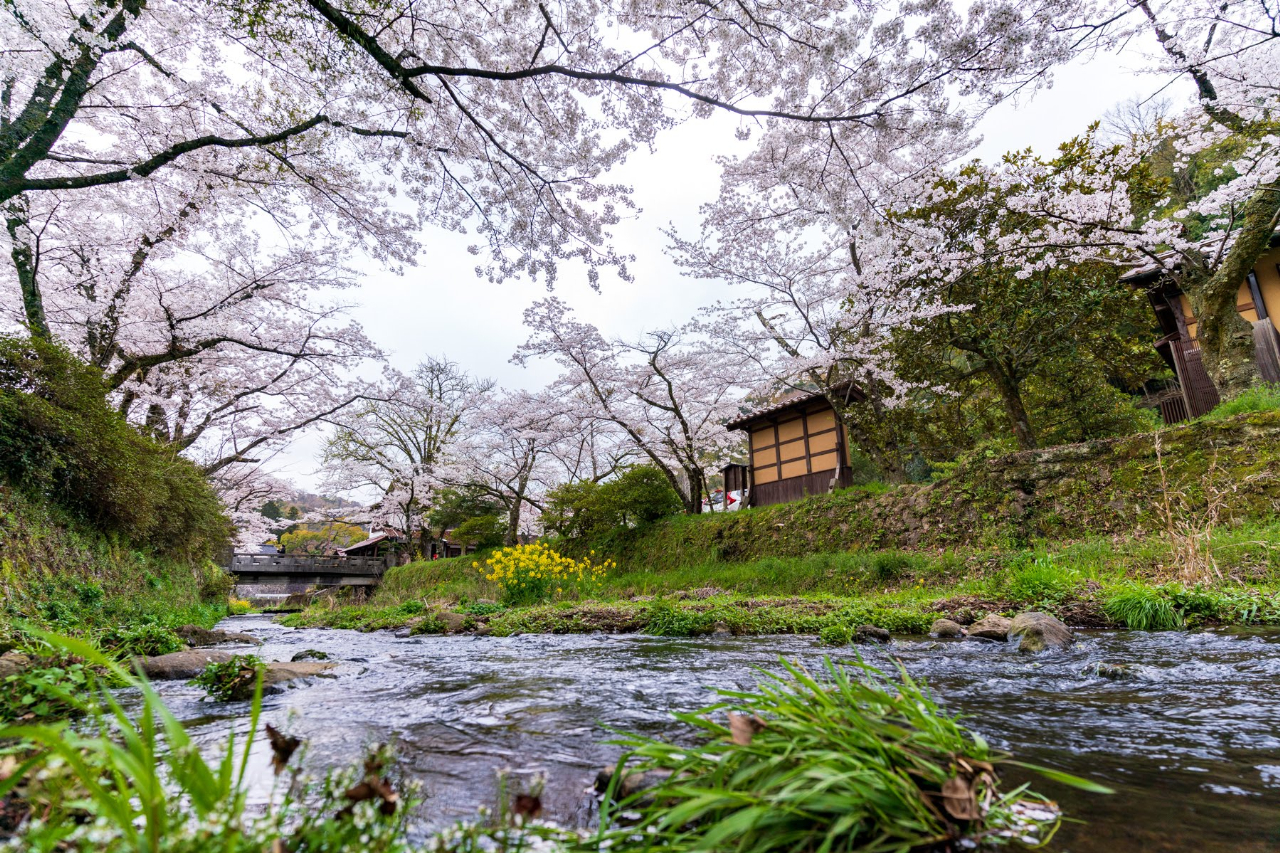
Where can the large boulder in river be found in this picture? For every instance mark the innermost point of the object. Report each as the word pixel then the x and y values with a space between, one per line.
pixel 180 665
pixel 1040 631
pixel 946 628
pixel 993 627
pixel 198 637
pixel 451 621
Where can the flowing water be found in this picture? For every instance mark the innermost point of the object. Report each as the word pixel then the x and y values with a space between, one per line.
pixel 1190 742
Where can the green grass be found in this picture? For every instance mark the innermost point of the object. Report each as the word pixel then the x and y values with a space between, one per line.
pixel 1264 397
pixel 842 760
pixel 892 589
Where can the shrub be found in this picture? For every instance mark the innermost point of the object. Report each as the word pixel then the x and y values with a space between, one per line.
pixel 134 640
pixel 530 573
pixel 59 438
pixel 44 692
pixel 1141 608
pixel 238 607
pixel 850 762
pixel 484 531
pixel 235 680
pixel 639 496
pixel 665 619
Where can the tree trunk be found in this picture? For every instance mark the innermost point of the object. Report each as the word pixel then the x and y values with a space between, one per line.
pixel 1226 338
pixel 25 264
pixel 1014 409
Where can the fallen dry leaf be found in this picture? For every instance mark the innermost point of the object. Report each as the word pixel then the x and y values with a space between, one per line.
pixel 743 727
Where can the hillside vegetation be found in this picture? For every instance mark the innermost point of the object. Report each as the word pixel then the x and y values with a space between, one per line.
pixel 100 526
pixel 1155 530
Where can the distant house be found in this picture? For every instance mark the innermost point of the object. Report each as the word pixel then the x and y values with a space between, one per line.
pixel 382 544
pixel 798 448
pixel 1258 302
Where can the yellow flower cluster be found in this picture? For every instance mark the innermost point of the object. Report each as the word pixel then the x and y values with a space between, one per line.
pixel 528 573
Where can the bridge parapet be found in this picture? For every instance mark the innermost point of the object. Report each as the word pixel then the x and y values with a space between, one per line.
pixel 318 570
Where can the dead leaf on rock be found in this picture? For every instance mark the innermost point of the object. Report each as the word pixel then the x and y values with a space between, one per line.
pixel 282 748
pixel 743 728
pixel 528 806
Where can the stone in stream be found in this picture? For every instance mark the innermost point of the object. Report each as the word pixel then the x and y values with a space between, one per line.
pixel 278 674
pixel 198 637
pixel 991 627
pixel 309 654
pixel 945 628
pixel 13 663
pixel 631 783
pixel 1040 632
pixel 1111 671
pixel 452 622
pixel 871 634
pixel 180 665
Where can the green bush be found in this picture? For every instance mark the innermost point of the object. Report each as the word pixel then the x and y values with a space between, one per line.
pixel 640 495
pixel 44 692
pixel 666 619
pixel 60 439
pixel 140 640
pixel 235 680
pixel 1141 608
pixel 483 531
pixel 1264 397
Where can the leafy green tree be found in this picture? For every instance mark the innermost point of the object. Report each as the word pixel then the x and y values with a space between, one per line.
pixel 324 540
pixel 640 495
pixel 483 531
pixel 1009 326
pixel 271 509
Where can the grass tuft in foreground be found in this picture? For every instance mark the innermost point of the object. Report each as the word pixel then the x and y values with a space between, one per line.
pixel 847 762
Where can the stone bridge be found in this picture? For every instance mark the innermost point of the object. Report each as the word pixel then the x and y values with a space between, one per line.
pixel 297 572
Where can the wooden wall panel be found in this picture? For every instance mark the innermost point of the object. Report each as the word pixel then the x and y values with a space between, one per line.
pixel 823 461
pixel 791 430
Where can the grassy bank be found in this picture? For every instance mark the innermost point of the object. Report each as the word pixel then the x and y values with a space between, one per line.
pixel 63 575
pixel 1097 582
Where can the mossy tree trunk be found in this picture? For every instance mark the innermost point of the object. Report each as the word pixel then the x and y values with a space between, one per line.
pixel 1226 338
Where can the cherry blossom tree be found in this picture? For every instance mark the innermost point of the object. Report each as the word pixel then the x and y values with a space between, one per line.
pixel 670 391
pixel 398 446
pixel 1228 51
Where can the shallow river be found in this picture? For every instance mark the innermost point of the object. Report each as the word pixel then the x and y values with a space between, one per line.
pixel 1191 745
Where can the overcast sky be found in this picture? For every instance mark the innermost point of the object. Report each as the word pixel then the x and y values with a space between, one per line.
pixel 441 308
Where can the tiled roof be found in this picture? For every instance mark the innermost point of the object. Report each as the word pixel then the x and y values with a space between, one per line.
pixel 792 400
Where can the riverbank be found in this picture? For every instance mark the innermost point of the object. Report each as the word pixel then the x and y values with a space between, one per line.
pixel 1142 583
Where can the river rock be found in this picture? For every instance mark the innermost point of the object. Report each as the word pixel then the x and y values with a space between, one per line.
pixel 279 673
pixel 180 665
pixel 1040 631
pixel 452 622
pixel 631 783
pixel 483 629
pixel 871 634
pixel 309 654
pixel 198 637
pixel 721 631
pixel 13 663
pixel 991 627
pixel 946 628
pixel 1110 671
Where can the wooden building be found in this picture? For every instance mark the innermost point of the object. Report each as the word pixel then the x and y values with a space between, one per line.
pixel 1258 302
pixel 798 448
